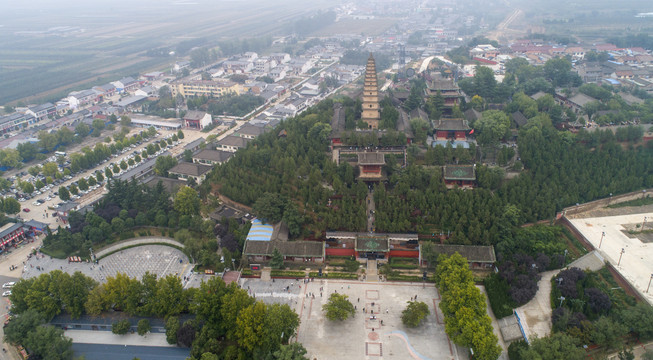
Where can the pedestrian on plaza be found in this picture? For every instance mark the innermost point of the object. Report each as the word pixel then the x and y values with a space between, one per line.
pixel 359 299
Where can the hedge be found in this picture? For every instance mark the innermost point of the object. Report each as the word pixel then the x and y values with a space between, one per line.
pixel 335 275
pixel 404 266
pixel 411 278
pixel 296 274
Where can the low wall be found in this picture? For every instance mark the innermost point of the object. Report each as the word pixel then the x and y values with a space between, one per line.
pixel 572 210
pixel 628 288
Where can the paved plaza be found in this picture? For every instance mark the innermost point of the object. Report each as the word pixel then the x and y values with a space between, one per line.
pixel 135 262
pixel 636 264
pixel 362 337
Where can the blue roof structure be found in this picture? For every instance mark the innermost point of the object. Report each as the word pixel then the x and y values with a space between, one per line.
pixel 612 81
pixel 260 231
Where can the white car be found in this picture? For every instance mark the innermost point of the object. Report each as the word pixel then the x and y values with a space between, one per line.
pixel 36 203
pixel 48 198
pixel 8 285
pixel 6 293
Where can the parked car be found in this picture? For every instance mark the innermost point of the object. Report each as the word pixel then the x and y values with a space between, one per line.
pixel 6 293
pixel 8 285
pixel 26 210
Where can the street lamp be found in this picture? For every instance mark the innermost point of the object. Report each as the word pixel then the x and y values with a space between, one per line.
pixel 620 255
pixel 601 242
pixel 649 283
pixel 562 298
pixel 565 263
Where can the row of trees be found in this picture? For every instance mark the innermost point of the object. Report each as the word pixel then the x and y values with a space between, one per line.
pixel 226 320
pixel 465 315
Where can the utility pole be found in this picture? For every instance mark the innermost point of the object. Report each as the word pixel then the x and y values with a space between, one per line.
pixel 620 255
pixel 601 242
pixel 649 283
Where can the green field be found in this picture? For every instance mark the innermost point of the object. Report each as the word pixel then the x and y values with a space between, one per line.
pixel 40 65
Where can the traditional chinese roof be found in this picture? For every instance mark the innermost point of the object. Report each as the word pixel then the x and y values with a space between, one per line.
pixel 459 172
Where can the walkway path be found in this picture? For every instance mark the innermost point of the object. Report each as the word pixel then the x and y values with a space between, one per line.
pixel 371 274
pixel 139 241
pixel 536 314
pixel 107 337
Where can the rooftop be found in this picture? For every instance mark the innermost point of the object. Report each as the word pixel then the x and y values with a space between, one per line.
pixel 452 125
pixel 287 248
pixel 213 155
pixel 371 158
pixel 192 169
pixel 459 172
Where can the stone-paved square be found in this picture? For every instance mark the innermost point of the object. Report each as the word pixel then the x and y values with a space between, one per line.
pixel 353 338
pixel 135 262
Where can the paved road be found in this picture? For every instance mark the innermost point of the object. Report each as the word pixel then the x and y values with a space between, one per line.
pixel 126 352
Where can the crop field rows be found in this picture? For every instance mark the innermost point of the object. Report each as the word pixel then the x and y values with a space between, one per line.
pixel 42 67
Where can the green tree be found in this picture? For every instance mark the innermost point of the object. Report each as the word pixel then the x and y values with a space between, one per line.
pixel 591 108
pixel 188 155
pixel 281 323
pixel 293 351
pixel 270 207
pixel 108 173
pixel 63 193
pixel 338 307
pixel 143 327
pixel 26 187
pixel 187 201
pixel 10 205
pixel 82 130
pixel 125 121
pixel 34 170
pixel 163 164
pixel 169 296
pixel 492 127
pixel 180 134
pixel 50 169
pixel 277 259
pixel 123 165
pixel 48 342
pixel 121 327
pixel 21 325
pixel 607 332
pixel 172 326
pixel 73 189
pixel 38 184
pixel 250 327
pixel 82 184
pixel 420 129
pixel 414 313
pixel 555 347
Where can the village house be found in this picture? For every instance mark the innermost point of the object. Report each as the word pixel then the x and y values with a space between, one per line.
pixel 187 171
pixel 197 119
pixel 212 157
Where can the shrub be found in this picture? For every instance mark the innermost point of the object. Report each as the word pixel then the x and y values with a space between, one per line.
pixel 497 290
pixel 143 327
pixel 121 327
pixel 514 350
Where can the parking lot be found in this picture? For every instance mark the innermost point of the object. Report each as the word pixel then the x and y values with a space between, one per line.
pixel 362 336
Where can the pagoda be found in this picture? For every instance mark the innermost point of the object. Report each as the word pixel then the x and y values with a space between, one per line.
pixel 371 114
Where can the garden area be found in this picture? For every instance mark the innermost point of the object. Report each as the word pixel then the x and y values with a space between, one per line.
pixel 521 257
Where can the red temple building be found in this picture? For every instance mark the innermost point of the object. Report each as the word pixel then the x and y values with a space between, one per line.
pixel 459 175
pixel 451 129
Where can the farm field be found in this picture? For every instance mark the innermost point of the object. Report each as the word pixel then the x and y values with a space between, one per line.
pixel 44 57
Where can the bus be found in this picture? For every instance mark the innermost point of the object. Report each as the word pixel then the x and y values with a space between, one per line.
pixel 60 153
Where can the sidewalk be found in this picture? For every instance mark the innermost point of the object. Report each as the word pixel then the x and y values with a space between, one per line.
pixel 109 338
